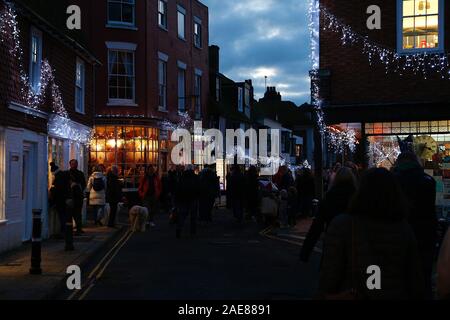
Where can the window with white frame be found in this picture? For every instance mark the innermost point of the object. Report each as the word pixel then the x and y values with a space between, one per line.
pixel 197 32
pixel 181 89
pixel 421 25
pixel 79 86
pixel 121 12
pixel 240 99
pixel 121 75
pixel 162 13
pixel 198 94
pixel 181 19
pixel 162 79
pixel 35 59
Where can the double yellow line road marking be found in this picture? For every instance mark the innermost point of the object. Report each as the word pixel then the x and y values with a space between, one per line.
pixel 267 233
pixel 100 268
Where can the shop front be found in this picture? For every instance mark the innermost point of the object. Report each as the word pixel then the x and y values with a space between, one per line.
pixel 131 148
pixel 431 143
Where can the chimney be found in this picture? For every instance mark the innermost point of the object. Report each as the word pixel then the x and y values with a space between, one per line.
pixel 272 94
pixel 214 59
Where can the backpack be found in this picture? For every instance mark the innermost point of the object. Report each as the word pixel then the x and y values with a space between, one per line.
pixel 98 184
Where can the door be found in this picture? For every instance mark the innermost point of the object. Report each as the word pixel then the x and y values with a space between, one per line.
pixel 29 184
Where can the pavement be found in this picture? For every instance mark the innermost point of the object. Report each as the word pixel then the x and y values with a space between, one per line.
pixel 224 261
pixel 17 284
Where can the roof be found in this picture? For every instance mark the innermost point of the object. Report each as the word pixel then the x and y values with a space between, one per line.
pixel 285 112
pixel 51 16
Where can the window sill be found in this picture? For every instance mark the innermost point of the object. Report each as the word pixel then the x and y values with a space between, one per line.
pixel 121 26
pixel 408 52
pixel 163 28
pixel 3 222
pixel 81 113
pixel 197 47
pixel 163 110
pixel 121 103
pixel 182 39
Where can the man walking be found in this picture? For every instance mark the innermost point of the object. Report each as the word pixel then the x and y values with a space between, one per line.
pixel 187 200
pixel 78 187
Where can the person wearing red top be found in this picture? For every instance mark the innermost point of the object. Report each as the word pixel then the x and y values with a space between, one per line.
pixel 149 192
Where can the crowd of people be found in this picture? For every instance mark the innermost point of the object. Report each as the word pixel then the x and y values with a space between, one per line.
pixel 378 218
pixel 68 191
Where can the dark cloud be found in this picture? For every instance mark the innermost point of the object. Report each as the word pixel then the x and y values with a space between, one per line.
pixel 264 38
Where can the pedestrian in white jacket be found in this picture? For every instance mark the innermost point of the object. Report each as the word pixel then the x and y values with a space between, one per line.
pixel 97 194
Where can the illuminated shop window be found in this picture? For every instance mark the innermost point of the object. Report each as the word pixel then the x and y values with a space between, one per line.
pixel 130 148
pixel 421 24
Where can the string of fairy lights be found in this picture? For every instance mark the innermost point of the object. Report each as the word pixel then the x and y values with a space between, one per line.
pixel 33 98
pixel 424 64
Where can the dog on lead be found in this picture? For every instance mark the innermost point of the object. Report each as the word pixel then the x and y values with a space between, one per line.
pixel 138 218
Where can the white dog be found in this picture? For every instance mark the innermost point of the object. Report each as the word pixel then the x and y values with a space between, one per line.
pixel 138 218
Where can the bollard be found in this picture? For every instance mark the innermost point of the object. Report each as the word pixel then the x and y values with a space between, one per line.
pixel 36 243
pixel 69 227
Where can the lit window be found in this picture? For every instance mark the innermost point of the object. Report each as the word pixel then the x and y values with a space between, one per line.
pixel 35 59
pixel 121 12
pixel 162 13
pixel 421 25
pixel 197 32
pixel 162 79
pixel 121 75
pixel 181 18
pixel 79 86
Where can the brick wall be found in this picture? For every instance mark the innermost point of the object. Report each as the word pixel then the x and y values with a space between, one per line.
pixel 150 39
pixel 63 60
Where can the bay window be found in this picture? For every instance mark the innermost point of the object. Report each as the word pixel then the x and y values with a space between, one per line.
pixel 421 25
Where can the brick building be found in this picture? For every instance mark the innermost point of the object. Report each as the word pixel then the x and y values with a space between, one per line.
pixel 154 56
pixel 56 128
pixel 382 105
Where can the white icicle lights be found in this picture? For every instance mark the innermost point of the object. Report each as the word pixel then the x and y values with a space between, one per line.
pixel 10 36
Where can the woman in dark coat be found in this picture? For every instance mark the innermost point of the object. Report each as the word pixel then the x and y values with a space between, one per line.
pixel 420 192
pixel 336 202
pixel 374 234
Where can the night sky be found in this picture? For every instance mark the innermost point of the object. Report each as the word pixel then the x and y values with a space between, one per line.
pixel 264 38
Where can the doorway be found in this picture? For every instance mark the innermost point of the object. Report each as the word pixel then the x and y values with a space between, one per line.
pixel 29 188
